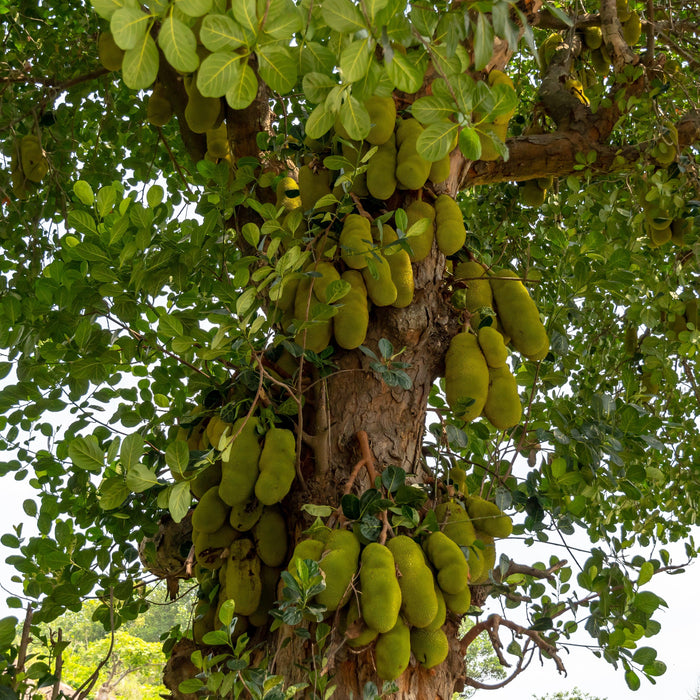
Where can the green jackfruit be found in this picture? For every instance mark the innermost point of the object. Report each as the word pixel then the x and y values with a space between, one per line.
pixel 531 194
pixel 392 651
pixel 455 523
pixel 503 408
pixel 306 549
pixel 439 619
pixel 31 155
pixel 381 178
pixel 382 116
pixel 270 535
pixel 518 314
pixel 244 515
pixel 211 476
pixel 380 289
pixel 355 241
pixel 418 600
pixel 215 429
pixel 466 376
pixel 593 37
pixel 239 462
pixel 270 578
pixel 492 346
pixel 446 556
pixel 429 647
pixel 277 466
pixel 381 593
pixel 449 226
pixel 440 170
pixel 459 603
pixel 412 171
pixel 487 136
pixel 217 141
pixel 288 194
pixel 313 185
pixel 338 563
pixel 632 29
pixel 600 62
pixel 328 274
pixel 243 582
pixel 400 264
pixel 317 336
pixel 422 244
pixel 110 55
pixel 489 557
pixel 211 512
pixel 357 633
pixel 488 518
pixel 208 546
pixel 351 322
pixel 201 113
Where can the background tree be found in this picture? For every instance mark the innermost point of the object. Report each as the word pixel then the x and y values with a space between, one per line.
pixel 146 307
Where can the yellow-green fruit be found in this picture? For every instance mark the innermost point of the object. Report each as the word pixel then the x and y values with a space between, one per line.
pixel 664 152
pixel 600 62
pixel 381 594
pixel 422 244
pixel 489 557
pixel 201 113
pixel 239 462
pixel 355 241
pixel 277 466
pixel 466 377
pixel 493 347
pixel 661 236
pixel 498 77
pixel 439 619
pixel 440 170
pixel 623 10
pixel 492 131
pixel 270 535
pixel 158 109
pixel 503 408
pixel 215 429
pixel 382 116
pixel 680 229
pixel 211 476
pixel 458 476
pixel 217 141
pixel 288 194
pixel 204 620
pixel 449 226
pixel 338 564
pixel 518 314
pixel 392 651
pixel 412 171
pixel 430 647
pixel 243 582
pixel 531 194
pixel 547 49
pixel 488 518
pixel 306 549
pixel 381 178
pixel 459 603
pixel 351 322
pixel 244 515
pixel 446 556
pixel 110 55
pixel 34 163
pixel 400 263
pixel 575 87
pixel 208 546
pixel 357 633
pixel 593 37
pixel 285 292
pixel 328 274
pixel 455 523
pixel 313 185
pixel 477 293
pixel 270 578
pixel 418 600
pixel 317 335
pixel 380 289
pixel 211 512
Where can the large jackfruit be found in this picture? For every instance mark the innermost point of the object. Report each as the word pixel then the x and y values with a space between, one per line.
pixel 466 376
pixel 418 600
pixel 422 244
pixel 357 633
pixel 317 336
pixel 392 652
pixel 351 322
pixel 478 293
pixel 339 563
pixel 382 116
pixel 459 603
pixel 270 578
pixel 217 141
pixel 440 169
pixel 328 274
pixel 489 557
pixel 244 515
pixel 201 113
pixel 211 476
pixel 277 466
pixel 455 523
pixel 430 647
pixel 503 408
pixel 209 546
pixel 215 429
pixel 306 549
pixel 211 512
pixel 488 518
pixel 449 226
pixel 381 178
pixel 31 155
pixel 381 290
pixel 381 593
pixel 239 462
pixel 490 133
pixel 440 616
pixel 355 241
pixel 492 346
pixel 313 184
pixel 243 582
pixel 110 55
pixel 446 556
pixel 401 270
pixel 518 315
pixel 270 535
pixel 412 171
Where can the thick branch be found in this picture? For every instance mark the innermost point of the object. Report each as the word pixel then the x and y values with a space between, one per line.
pixel 611 27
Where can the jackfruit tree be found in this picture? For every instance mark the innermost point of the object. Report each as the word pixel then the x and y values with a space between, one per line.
pixel 314 306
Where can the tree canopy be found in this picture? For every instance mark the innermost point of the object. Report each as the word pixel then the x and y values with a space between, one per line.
pixel 311 302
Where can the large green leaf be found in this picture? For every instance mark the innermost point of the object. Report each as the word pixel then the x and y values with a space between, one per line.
pixel 277 68
pixel 436 140
pixel 106 8
pixel 86 453
pixel 244 12
pixel 179 500
pixel 320 122
pixel 179 45
pixel 177 457
pixel 221 33
pixel 355 59
pixel 283 19
pixel 244 88
pixel 470 143
pixel 131 450
pixel 355 118
pixel 343 16
pixel 194 8
pixel 8 626
pixel 483 42
pixel 218 72
pixel 316 86
pixel 140 64
pixel 404 72
pixel 372 7
pixel 428 110
pixel 128 26
pixel 139 478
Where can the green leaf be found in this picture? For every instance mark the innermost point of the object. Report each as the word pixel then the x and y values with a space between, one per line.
pixel 393 478
pixel 336 290
pixel 355 59
pixel 169 326
pixel 470 143
pixel 277 68
pixel 226 612
pixel 131 451
pixel 221 33
pixel 154 196
pixel 243 89
pixel 140 477
pixel 316 86
pixel 191 685
pixel 177 457
pixel 218 72
pixel 372 7
pixel 140 64
pixel 632 680
pixel 83 192
pixel 179 45
pixel 355 118
pixel 128 26
pixel 483 42
pixel 179 500
pixel 436 140
pixel 343 16
pixel 644 656
pixel 86 453
pixel 350 505
pixel 319 122
pixel 404 73
pixel 284 19
pixel 106 198
pixel 244 11
pixel 194 8
pixel 8 627
pixel 82 222
pixel 106 8
pixel 646 571
pixel 429 110
pixel 113 492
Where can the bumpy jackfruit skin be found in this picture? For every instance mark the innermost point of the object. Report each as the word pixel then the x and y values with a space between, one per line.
pixel 392 652
pixel 306 549
pixel 447 558
pixel 412 171
pixel 217 141
pixel 313 185
pixel 318 335
pixel 382 116
pixel 489 556
pixel 421 245
pixel 270 535
pixel 243 582
pixel 488 518
pixel 440 616
pixel 357 633
pixel 459 603
pixel 211 512
pixel 244 515
pixel 201 113
pixel 593 37
pixel 239 463
pixel 270 578
pixel 632 29
pixel 216 428
pixel 466 375
pixel 531 194
pixel 478 293
pixel 418 600
pixel 430 647
pixel 277 466
pixel 492 346
pixel 518 314
pixel 338 563
pixel 381 178
pixel 503 408
pixel 449 226
pixel 455 523
pixel 355 241
pixel 34 163
pixel 440 170
pixel 401 271
pixel 382 290
pixel 381 593
pixel 328 274
pixel 351 322
pixel 211 476
pixel 208 546
pixel 110 55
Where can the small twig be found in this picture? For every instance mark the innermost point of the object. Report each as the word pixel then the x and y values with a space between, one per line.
pixel 514 568
pixel 24 643
pixel 367 455
pixel 353 475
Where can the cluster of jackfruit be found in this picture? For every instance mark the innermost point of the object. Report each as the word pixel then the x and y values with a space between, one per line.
pixel 663 221
pixel 399 598
pixel 478 380
pixel 685 319
pixel 29 165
